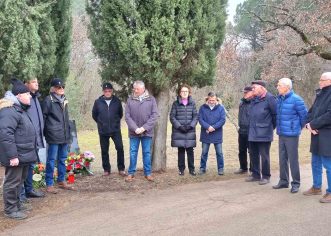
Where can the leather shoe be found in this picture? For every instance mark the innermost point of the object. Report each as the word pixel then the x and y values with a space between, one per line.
pixel 51 189
pixel 34 194
pixel 279 186
pixel 149 178
pixel 64 186
pixel 192 172
pixel 17 215
pixel 294 189
pixel 122 173
pixel 181 172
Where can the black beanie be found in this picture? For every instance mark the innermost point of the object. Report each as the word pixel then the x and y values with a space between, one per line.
pixel 18 87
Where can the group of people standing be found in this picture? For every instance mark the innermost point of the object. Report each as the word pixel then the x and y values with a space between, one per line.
pixel 24 125
pixel 260 113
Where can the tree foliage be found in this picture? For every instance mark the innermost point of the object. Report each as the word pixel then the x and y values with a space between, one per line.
pixel 34 40
pixel 163 43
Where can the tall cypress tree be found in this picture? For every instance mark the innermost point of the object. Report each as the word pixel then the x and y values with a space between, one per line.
pixel 34 40
pixel 163 43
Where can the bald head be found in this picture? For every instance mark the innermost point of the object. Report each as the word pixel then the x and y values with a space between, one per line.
pixel 325 80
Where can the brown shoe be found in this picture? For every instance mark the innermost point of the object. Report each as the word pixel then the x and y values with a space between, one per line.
pixel 130 178
pixel 64 186
pixel 122 173
pixel 313 191
pixel 326 198
pixel 149 178
pixel 106 173
pixel 51 189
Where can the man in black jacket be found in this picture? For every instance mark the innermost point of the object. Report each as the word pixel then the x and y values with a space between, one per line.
pixel 57 134
pixel 37 120
pixel 107 112
pixel 243 120
pixel 17 146
pixel 319 125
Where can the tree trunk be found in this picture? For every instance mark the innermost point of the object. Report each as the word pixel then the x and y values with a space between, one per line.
pixel 159 156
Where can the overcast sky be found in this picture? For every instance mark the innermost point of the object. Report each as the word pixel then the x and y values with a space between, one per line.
pixel 232 5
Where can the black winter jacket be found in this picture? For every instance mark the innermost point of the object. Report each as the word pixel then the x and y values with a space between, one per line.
pixel 243 116
pixel 17 133
pixel 319 117
pixel 56 118
pixel 108 118
pixel 183 115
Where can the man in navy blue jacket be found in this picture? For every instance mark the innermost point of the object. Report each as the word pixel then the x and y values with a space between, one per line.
pixel 211 119
pixel 107 112
pixel 291 118
pixel 262 122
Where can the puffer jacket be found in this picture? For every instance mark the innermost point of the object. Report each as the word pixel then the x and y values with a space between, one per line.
pixel 183 115
pixel 291 115
pixel 17 133
pixel 56 117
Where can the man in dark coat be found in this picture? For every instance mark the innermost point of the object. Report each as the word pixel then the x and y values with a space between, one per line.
pixel 107 112
pixel 57 134
pixel 17 146
pixel 319 124
pixel 212 119
pixel 243 122
pixel 262 122
pixel 37 119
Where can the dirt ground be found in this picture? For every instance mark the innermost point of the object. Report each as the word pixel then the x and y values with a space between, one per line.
pixel 88 186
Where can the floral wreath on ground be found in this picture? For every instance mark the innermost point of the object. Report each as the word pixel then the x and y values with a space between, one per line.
pixel 76 163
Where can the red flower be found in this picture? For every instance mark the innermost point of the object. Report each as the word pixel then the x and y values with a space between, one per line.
pixel 72 161
pixel 78 166
pixel 86 163
pixel 69 167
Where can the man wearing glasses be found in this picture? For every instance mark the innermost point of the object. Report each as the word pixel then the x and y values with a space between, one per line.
pixel 107 112
pixel 57 134
pixel 319 125
pixel 262 122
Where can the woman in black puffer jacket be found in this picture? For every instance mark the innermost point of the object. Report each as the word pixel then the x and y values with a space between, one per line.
pixel 184 118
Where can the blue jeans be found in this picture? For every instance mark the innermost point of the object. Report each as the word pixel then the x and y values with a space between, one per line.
pixel 317 162
pixel 59 153
pixel 134 147
pixel 219 155
pixel 28 186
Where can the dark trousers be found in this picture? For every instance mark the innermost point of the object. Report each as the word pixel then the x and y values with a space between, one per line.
pixel 104 143
pixel 288 153
pixel 243 149
pixel 181 158
pixel 28 183
pixel 260 150
pixel 12 186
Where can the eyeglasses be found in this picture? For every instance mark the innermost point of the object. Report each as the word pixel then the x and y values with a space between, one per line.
pixel 59 87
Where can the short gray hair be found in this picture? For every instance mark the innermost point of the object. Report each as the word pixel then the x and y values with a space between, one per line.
pixel 327 75
pixel 286 81
pixel 139 83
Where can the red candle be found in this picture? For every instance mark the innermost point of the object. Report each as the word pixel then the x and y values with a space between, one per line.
pixel 71 178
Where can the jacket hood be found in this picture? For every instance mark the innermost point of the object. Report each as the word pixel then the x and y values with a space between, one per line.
pixel 9 100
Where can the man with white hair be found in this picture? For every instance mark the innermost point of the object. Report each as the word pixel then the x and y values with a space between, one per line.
pixel 141 114
pixel 291 118
pixel 319 125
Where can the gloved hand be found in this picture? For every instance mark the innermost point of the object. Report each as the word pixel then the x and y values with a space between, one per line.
pixel 188 128
pixel 182 129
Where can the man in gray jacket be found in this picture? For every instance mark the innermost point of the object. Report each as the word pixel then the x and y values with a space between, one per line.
pixel 141 114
